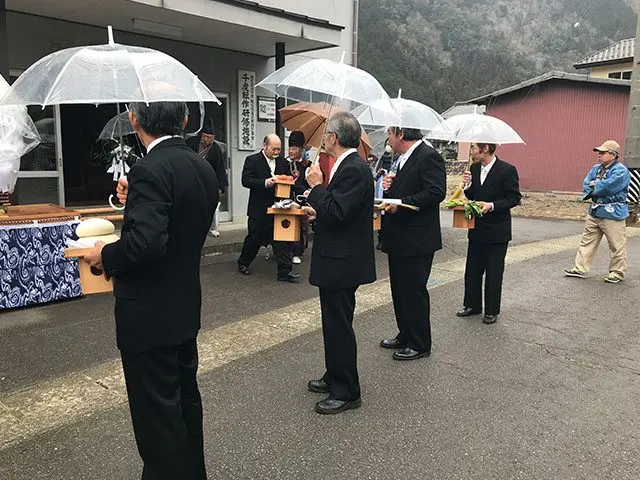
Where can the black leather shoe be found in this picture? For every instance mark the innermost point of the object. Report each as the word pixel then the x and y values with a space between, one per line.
pixel 289 277
pixel 392 343
pixel 467 312
pixel 244 269
pixel 319 386
pixel 489 319
pixel 409 353
pixel 331 405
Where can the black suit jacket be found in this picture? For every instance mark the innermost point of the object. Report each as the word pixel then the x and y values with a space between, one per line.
pixel 173 195
pixel 343 254
pixel 254 173
pixel 215 158
pixel 422 182
pixel 500 187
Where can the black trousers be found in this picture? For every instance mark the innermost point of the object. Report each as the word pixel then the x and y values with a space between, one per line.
pixel 166 410
pixel 340 351
pixel 484 259
pixel 409 277
pixel 260 232
pixel 300 246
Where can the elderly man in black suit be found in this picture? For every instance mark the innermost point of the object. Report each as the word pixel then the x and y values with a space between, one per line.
pixel 170 197
pixel 258 176
pixel 342 257
pixel 411 238
pixel 495 183
pixel 204 144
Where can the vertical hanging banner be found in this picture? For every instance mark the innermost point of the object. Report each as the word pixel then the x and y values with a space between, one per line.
pixel 246 110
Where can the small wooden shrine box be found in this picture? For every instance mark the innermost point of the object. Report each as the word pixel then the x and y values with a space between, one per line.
pixel 377 218
pixel 459 221
pixel 283 188
pixel 89 281
pixel 286 223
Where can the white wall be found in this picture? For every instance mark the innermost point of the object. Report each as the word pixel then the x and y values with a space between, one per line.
pixel 31 38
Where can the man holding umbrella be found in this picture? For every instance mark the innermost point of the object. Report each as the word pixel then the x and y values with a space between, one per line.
pixel 342 258
pixel 204 144
pixel 411 238
pixel 170 199
pixel 496 184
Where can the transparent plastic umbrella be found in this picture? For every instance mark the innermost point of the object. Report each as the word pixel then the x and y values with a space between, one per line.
pixel 336 83
pixel 474 127
pixel 18 136
pixel 111 73
pixel 411 114
pixel 118 126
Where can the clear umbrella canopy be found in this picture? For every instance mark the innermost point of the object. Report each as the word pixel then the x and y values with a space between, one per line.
pixel 411 114
pixel 474 127
pixel 336 83
pixel 111 73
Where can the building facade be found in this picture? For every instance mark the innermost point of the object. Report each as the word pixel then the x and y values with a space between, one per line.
pixel 229 44
pixel 561 117
pixel 615 61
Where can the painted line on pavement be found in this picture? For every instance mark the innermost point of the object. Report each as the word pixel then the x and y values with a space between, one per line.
pixel 51 404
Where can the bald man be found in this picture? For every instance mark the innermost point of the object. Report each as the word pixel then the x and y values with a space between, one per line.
pixel 258 176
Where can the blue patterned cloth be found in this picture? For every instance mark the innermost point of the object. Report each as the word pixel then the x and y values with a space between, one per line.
pixel 32 265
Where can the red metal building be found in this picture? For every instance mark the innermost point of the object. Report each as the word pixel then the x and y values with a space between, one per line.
pixel 561 117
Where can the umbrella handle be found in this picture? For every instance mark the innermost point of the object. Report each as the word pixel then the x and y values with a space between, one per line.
pixel 118 208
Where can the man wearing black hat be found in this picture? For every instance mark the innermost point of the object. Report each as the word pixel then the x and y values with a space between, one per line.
pixel 298 168
pixel 205 146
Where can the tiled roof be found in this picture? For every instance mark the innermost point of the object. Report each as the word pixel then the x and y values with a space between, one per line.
pixel 623 50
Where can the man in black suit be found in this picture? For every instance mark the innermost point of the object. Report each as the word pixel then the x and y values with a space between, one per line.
pixel 258 176
pixel 495 183
pixel 204 144
pixel 411 238
pixel 170 200
pixel 342 257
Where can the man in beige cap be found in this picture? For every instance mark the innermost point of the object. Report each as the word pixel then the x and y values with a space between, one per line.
pixel 606 185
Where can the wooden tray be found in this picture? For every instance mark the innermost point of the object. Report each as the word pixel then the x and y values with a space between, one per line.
pixel 16 214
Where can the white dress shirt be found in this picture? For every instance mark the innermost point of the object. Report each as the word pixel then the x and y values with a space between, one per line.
pixel 484 170
pixel 157 141
pixel 339 161
pixel 405 156
pixel 271 162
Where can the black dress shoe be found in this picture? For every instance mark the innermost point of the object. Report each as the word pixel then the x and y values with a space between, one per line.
pixel 467 312
pixel 489 319
pixel 392 343
pixel 332 405
pixel 409 353
pixel 319 386
pixel 244 269
pixel 289 277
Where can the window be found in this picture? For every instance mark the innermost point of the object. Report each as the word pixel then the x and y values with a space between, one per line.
pixel 626 75
pixel 615 75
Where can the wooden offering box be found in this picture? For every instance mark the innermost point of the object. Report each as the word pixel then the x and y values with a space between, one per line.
pixel 377 218
pixel 283 188
pixel 286 223
pixel 459 221
pixel 90 280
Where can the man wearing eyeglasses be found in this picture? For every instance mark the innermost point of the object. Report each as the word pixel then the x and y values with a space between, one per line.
pixel 342 258
pixel 606 184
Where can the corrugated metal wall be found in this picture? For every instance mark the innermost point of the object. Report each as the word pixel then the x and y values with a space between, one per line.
pixel 561 121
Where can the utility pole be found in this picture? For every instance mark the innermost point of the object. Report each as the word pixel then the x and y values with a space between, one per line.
pixel 632 143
